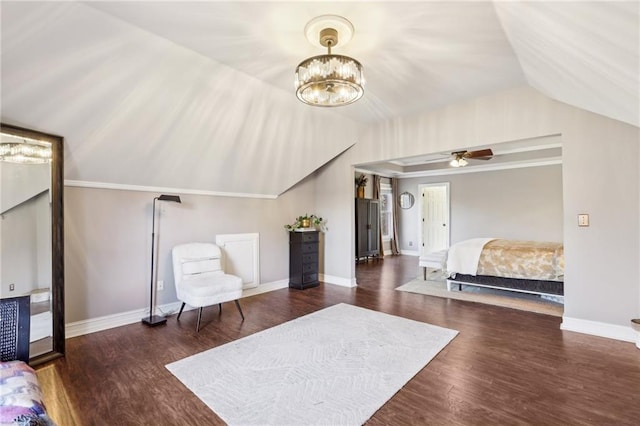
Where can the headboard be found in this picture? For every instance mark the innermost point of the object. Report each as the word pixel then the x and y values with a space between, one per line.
pixel 14 328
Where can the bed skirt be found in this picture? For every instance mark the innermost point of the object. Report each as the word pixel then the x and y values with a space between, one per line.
pixel 555 288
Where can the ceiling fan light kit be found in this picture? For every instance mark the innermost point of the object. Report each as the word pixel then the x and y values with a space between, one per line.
pixel 329 80
pixel 458 162
pixel 460 157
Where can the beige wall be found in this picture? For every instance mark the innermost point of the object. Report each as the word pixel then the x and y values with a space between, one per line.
pixel 108 241
pixel 520 204
pixel 602 279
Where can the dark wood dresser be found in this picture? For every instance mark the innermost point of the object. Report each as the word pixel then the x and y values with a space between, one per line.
pixel 303 259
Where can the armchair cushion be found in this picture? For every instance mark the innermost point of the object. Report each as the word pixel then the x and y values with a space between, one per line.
pixel 200 266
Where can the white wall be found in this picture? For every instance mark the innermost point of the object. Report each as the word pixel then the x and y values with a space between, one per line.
pixel 20 182
pixel 25 227
pixel 519 204
pixel 602 278
pixel 601 260
pixel 108 241
pixel 26 246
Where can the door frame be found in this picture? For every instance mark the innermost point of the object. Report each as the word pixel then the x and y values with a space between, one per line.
pixel 421 188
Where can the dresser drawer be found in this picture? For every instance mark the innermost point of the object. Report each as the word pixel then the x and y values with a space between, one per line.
pixel 309 248
pixel 309 258
pixel 304 237
pixel 309 278
pixel 310 237
pixel 309 267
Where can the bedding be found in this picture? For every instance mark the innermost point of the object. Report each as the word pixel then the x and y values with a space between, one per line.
pixel 21 397
pixel 463 257
pixel 525 266
pixel 532 260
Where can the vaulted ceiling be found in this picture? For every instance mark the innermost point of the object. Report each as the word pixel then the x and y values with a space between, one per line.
pixel 199 95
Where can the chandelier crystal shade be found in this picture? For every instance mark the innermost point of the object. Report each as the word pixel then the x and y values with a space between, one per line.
pixel 329 80
pixel 24 153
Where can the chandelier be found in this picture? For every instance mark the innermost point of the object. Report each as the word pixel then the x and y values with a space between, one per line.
pixel 24 153
pixel 329 80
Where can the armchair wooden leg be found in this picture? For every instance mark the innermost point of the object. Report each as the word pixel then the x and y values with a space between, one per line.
pixel 220 308
pixel 239 309
pixel 181 308
pixel 199 317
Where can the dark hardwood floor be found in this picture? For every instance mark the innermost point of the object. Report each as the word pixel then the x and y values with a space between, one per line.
pixel 506 367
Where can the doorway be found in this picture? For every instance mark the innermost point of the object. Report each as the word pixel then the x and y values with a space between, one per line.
pixel 434 217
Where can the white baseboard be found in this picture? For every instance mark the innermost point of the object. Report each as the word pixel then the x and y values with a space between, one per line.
pixel 601 329
pixel 343 282
pixel 264 288
pixel 410 252
pixel 94 325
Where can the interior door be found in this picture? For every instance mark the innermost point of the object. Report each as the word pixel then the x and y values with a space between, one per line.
pixel 434 218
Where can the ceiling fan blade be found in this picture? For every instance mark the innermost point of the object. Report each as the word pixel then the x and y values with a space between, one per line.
pixel 482 154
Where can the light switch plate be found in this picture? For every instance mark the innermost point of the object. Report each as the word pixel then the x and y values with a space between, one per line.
pixel 583 219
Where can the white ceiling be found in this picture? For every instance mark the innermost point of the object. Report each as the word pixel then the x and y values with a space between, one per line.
pixel 137 83
pixel 417 55
pixel 423 54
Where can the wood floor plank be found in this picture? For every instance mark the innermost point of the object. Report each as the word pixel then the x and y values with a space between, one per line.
pixel 506 366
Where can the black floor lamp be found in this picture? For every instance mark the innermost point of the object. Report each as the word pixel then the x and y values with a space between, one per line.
pixel 154 320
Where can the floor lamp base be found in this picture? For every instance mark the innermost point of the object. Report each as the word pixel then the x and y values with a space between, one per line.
pixel 154 320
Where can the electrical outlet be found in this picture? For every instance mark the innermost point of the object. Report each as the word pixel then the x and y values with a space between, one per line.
pixel 160 285
pixel 12 287
pixel 583 219
pixel 410 243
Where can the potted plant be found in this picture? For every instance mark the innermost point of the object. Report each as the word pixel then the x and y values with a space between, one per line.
pixel 307 221
pixel 361 182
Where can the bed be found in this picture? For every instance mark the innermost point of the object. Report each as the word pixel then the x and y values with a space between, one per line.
pixel 524 266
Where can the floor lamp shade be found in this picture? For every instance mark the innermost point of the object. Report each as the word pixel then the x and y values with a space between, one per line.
pixel 153 320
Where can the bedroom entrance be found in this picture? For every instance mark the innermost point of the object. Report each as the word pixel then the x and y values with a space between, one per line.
pixel 434 217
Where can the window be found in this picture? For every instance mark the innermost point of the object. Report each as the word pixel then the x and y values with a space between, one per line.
pixel 386 211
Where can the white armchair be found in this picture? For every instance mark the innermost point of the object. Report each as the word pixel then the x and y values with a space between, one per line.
pixel 200 280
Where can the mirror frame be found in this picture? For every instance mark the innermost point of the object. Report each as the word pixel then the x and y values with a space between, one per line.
pixel 406 196
pixel 57 238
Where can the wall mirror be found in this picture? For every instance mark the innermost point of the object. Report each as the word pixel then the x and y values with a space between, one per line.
pixel 406 200
pixel 31 233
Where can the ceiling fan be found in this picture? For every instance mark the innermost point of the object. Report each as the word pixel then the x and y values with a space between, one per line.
pixel 460 157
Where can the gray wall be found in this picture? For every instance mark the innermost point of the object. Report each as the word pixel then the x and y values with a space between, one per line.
pixel 108 241
pixel 520 204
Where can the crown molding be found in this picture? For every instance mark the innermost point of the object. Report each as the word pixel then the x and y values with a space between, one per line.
pixel 142 188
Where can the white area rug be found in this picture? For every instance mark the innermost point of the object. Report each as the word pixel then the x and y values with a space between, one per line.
pixel 337 366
